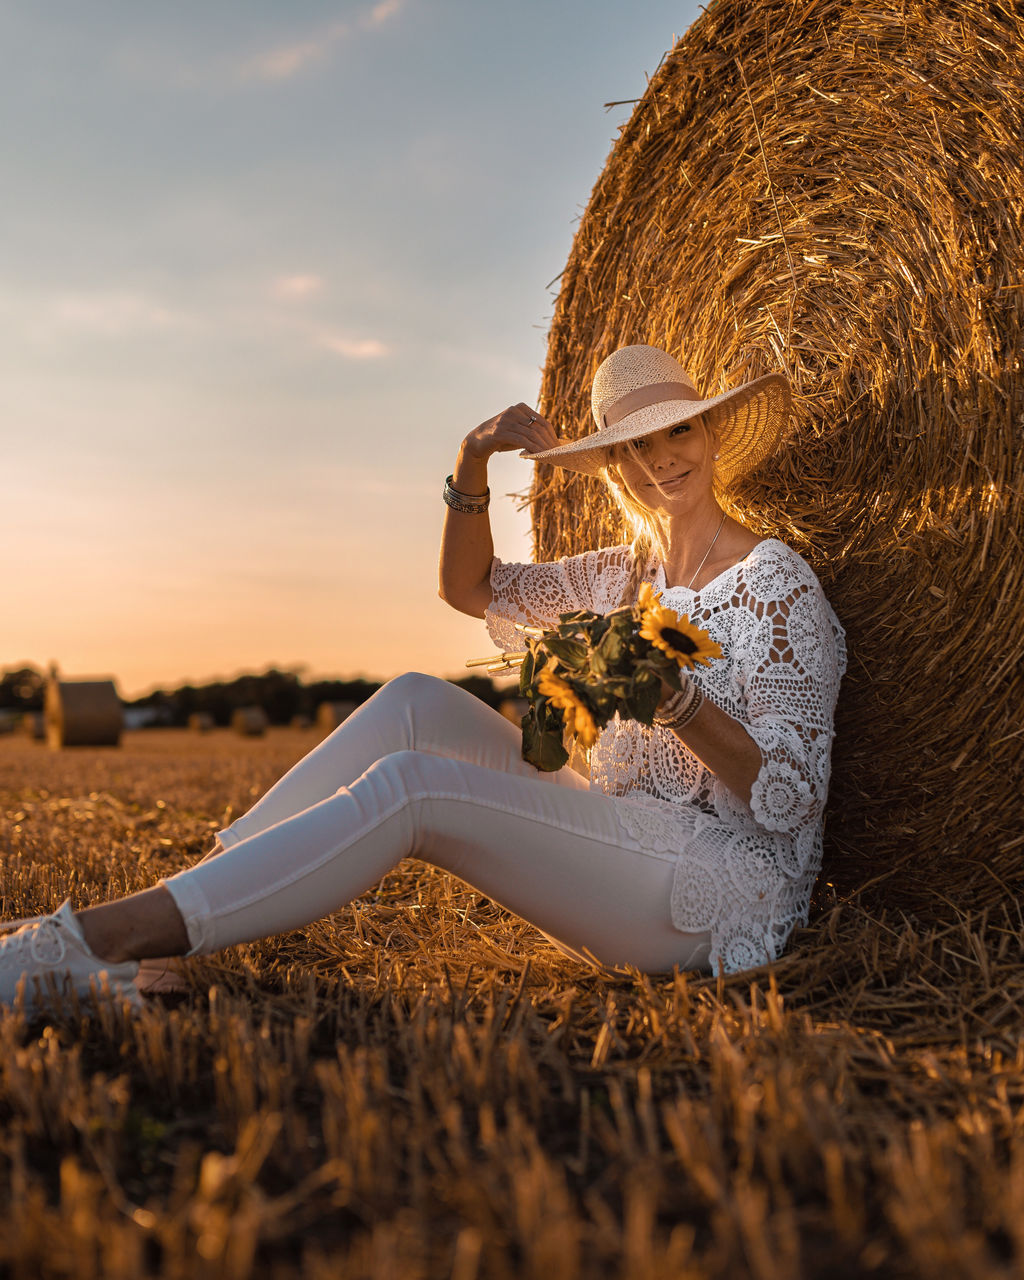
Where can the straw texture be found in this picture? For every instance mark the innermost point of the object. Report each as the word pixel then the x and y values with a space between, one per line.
pixel 836 191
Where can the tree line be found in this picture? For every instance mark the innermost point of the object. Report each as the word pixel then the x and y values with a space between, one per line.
pixel 282 694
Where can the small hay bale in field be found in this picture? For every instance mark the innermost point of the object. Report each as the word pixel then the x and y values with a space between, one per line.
pixel 331 714
pixel 33 725
pixel 513 709
pixel 250 722
pixel 837 191
pixel 82 713
pixel 200 722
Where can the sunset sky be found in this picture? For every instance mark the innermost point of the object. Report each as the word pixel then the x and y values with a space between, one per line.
pixel 262 266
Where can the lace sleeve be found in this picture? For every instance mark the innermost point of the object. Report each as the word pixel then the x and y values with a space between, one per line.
pixel 791 678
pixel 535 594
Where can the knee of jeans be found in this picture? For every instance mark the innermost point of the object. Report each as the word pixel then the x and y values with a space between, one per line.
pixel 391 777
pixel 412 684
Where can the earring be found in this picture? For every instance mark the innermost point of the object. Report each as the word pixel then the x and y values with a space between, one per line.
pixel 716 456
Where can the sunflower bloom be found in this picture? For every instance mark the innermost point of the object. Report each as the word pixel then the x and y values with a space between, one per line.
pixel 576 715
pixel 678 637
pixel 648 598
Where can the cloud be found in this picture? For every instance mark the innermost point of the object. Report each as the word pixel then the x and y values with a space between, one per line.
pixel 381 13
pixel 112 314
pixel 290 60
pixel 355 348
pixel 297 286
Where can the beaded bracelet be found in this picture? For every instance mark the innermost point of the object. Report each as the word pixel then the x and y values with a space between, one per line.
pixel 470 504
pixel 680 708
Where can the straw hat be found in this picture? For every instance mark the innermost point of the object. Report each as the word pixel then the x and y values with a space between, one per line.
pixel 639 390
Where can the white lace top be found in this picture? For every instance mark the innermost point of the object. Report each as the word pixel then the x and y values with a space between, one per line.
pixel 743 872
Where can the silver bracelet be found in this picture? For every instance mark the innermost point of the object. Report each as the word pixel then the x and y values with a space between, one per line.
pixel 680 708
pixel 470 504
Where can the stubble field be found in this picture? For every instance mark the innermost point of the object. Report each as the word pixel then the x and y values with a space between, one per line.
pixel 419 1086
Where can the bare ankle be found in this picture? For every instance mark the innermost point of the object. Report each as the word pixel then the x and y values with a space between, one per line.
pixel 145 924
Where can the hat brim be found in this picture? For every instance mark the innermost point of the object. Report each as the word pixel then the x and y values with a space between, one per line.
pixel 749 421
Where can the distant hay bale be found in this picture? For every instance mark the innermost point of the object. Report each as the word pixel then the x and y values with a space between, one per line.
pixel 82 713
pixel 250 722
pixel 33 725
pixel 837 191
pixel 513 709
pixel 331 714
pixel 200 722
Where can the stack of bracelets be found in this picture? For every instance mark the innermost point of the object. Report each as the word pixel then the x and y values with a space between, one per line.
pixel 470 504
pixel 680 708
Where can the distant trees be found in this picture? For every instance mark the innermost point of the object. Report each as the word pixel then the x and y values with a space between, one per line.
pixel 281 694
pixel 22 689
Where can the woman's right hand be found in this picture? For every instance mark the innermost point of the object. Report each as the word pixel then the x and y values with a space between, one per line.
pixel 517 427
pixel 466 546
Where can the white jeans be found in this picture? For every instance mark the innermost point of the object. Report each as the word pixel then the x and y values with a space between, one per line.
pixel 425 769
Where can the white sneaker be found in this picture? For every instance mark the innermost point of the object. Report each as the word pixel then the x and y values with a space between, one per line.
pixel 50 953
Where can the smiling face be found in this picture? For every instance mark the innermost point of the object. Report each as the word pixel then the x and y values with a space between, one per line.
pixel 670 470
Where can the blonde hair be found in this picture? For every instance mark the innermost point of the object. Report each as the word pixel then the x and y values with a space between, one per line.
pixel 644 536
pixel 638 518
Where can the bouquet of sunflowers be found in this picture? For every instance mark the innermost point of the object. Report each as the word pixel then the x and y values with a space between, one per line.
pixel 577 675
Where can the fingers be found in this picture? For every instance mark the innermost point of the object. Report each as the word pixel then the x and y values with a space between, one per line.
pixel 521 427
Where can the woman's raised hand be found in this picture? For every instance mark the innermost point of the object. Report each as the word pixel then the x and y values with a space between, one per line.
pixel 466 546
pixel 518 427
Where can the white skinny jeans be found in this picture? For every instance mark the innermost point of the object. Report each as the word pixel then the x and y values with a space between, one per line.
pixel 425 769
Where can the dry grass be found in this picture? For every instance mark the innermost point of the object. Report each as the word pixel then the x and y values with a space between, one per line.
pixel 836 190
pixel 420 1086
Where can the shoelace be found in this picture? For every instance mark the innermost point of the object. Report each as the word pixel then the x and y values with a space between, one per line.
pixel 17 924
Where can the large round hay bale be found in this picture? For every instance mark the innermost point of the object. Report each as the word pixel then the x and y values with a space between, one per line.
pixel 201 722
pixel 250 722
pixel 837 191
pixel 82 713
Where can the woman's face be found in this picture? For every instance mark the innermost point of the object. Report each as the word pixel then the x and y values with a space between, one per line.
pixel 668 470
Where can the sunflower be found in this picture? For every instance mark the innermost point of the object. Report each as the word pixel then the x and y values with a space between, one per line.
pixel 677 636
pixel 576 715
pixel 647 598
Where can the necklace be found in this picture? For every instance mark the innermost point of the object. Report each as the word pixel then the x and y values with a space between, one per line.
pixel 689 585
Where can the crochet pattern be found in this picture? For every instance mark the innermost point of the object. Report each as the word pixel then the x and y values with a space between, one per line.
pixel 744 872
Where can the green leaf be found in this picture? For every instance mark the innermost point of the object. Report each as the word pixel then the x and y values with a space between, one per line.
pixel 571 652
pixel 527 672
pixel 672 677
pixel 612 647
pixel 598 665
pixel 597 631
pixel 542 740
pixel 574 624
pixel 645 701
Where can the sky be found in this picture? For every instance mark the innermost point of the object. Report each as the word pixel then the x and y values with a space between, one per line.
pixel 262 268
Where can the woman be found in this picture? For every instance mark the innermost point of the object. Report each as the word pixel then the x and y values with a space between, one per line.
pixel 696 842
